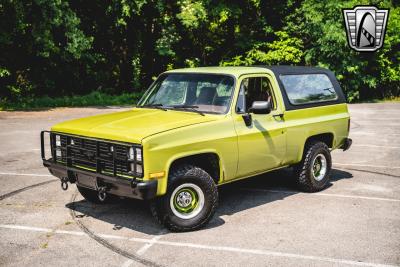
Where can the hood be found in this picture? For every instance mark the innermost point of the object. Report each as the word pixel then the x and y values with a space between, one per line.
pixel 131 126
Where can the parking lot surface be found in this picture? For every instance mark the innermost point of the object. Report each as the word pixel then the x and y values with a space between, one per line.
pixel 262 221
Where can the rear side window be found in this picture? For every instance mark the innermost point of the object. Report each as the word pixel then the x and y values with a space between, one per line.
pixel 308 88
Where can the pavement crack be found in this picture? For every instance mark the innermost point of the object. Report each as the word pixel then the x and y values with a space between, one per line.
pixel 104 242
pixel 12 193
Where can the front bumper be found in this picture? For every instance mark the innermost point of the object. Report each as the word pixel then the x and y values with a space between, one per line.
pixel 115 185
pixel 130 188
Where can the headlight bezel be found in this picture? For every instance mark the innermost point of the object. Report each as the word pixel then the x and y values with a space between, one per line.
pixel 139 154
pixel 135 157
pixel 137 169
pixel 135 154
pixel 57 140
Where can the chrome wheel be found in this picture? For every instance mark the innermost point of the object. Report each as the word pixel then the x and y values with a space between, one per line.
pixel 187 201
pixel 319 167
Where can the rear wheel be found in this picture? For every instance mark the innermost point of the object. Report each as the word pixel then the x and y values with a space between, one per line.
pixel 190 201
pixel 314 170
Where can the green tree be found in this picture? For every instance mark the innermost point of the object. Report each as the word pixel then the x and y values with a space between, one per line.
pixel 362 75
pixel 63 48
pixel 38 37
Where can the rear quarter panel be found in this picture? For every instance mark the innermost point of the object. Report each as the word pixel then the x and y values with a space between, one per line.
pixel 303 123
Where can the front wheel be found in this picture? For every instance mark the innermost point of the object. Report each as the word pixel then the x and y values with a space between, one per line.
pixel 314 170
pixel 190 201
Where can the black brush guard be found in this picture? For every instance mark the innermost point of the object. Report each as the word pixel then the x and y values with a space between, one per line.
pixel 93 177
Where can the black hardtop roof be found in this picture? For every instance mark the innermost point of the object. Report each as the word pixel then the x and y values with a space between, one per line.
pixel 286 69
pixel 290 70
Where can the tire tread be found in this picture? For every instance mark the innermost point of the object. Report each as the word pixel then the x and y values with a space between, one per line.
pixel 304 180
pixel 181 171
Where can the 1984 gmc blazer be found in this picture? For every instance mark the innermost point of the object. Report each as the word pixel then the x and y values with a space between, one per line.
pixel 195 129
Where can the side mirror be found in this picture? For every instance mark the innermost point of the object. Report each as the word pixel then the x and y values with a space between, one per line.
pixel 261 107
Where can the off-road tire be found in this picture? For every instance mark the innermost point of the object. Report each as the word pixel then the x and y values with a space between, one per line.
pixel 304 170
pixel 92 195
pixel 161 208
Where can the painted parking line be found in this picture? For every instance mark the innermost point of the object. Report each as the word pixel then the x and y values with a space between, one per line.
pixel 143 249
pixel 367 165
pixel 146 247
pixel 204 247
pixel 321 194
pixel 366 123
pixel 39 229
pixel 370 109
pixel 377 146
pixel 373 133
pixel 371 120
pixel 25 174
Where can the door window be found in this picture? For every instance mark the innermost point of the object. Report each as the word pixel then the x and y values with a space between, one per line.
pixel 254 89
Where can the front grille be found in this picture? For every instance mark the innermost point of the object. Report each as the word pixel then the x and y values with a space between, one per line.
pixel 93 155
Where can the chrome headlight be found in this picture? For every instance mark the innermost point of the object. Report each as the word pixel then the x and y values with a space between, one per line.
pixel 131 154
pixel 138 154
pixel 135 154
pixel 58 140
pixel 136 160
pixel 139 169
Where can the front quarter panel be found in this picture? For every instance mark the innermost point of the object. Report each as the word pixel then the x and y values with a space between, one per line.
pixel 218 137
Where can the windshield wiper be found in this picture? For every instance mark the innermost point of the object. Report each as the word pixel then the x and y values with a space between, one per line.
pixel 157 106
pixel 329 89
pixel 188 108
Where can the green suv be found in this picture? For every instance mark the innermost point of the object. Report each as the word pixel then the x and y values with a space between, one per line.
pixel 195 129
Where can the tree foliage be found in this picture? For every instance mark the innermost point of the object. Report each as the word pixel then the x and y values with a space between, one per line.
pixel 61 48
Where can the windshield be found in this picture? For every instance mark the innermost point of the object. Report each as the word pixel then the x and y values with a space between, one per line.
pixel 207 93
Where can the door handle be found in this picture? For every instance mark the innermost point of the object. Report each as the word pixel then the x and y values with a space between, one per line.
pixel 278 115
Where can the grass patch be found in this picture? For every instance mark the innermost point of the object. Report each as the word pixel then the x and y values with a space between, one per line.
pixel 95 98
pixel 391 99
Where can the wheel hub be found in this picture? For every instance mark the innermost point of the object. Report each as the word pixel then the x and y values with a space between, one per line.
pixel 184 199
pixel 187 201
pixel 319 167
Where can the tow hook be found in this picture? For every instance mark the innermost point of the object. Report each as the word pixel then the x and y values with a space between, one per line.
pixel 64 183
pixel 102 193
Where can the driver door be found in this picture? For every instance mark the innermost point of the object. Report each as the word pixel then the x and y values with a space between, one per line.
pixel 262 145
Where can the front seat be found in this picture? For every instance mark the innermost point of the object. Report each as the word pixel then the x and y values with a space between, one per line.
pixel 206 96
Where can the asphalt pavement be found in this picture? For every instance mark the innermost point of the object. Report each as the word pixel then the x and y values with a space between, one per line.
pixel 262 221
